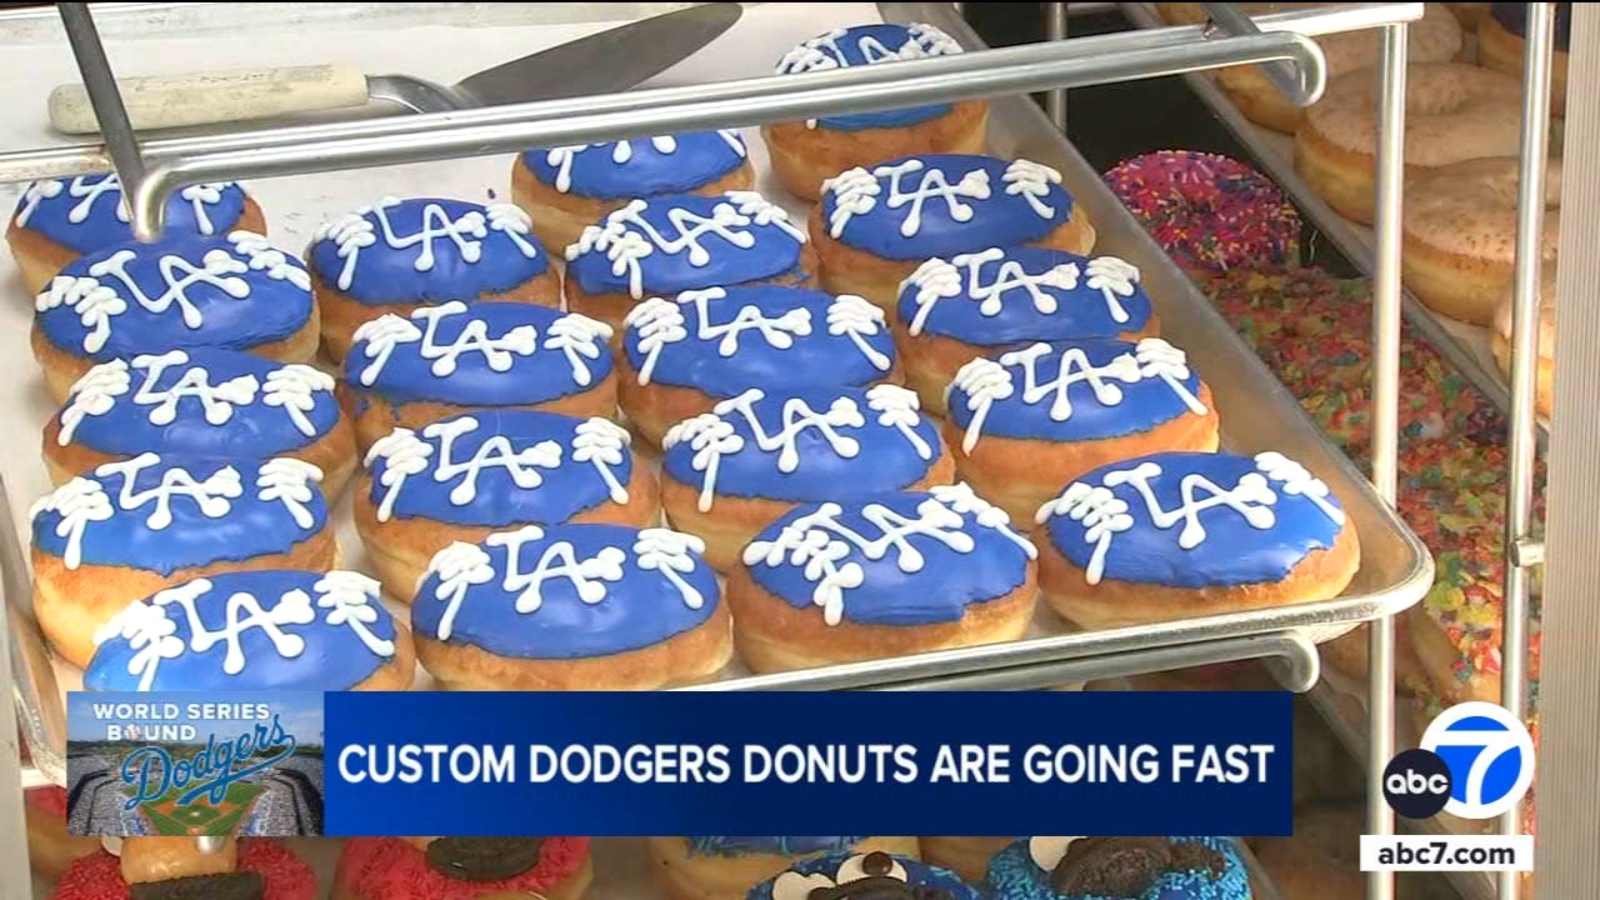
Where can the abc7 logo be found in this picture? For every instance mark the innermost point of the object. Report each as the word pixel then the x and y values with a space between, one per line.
pixel 1475 762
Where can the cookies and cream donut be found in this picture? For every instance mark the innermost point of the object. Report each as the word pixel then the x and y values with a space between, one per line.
pixel 136 526
pixel 871 876
pixel 1454 112
pixel 887 575
pixel 1118 868
pixel 1025 424
pixel 1460 235
pixel 805 154
pixel 504 868
pixel 673 243
pixel 571 607
pixel 681 356
pixel 266 630
pixel 1500 341
pixel 729 473
pixel 462 478
pixel 1503 33
pixel 201 404
pixel 976 304
pixel 174 868
pixel 1175 535
pixel 874 227
pixel 58 220
pixel 726 868
pixel 398 255
pixel 966 856
pixel 566 189
pixel 232 292
pixel 407 371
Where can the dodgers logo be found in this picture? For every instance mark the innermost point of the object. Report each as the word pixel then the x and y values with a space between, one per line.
pixel 1489 754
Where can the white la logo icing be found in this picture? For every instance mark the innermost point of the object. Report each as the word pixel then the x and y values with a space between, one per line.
pixel 821 545
pixel 579 337
pixel 460 566
pixel 622 153
pixel 937 280
pixel 824 52
pixel 794 886
pixel 355 232
pixel 349 598
pixel 88 189
pixel 856 192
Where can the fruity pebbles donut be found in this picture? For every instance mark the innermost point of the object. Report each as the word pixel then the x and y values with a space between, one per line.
pixel 875 875
pixel 726 868
pixel 555 868
pixel 170 868
pixel 1116 868
pixel 1213 214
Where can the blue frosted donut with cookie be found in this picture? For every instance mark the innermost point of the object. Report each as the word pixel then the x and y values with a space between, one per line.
pixel 593 607
pixel 727 868
pixel 460 478
pixel 681 355
pixel 276 630
pixel 829 581
pixel 397 255
pixel 201 404
pixel 874 874
pixel 233 292
pixel 564 189
pixel 404 371
pixel 135 526
pixel 1175 535
pixel 1117 868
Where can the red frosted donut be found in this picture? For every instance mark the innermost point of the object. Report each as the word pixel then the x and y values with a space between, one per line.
pixel 394 869
pixel 1209 212
pixel 284 875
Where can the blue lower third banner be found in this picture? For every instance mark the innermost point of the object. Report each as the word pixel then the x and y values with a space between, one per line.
pixel 630 764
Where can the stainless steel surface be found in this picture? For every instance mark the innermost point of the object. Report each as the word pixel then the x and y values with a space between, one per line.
pixel 1055 101
pixel 34 691
pixel 1527 553
pixel 1231 20
pixel 104 95
pixel 13 825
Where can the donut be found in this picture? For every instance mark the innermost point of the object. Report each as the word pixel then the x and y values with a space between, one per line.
pixel 682 242
pixel 1321 859
pixel 566 189
pixel 1023 425
pixel 1255 532
pixel 51 850
pixel 729 473
pixel 1210 213
pixel 58 220
pixel 1469 14
pixel 966 856
pixel 726 868
pixel 502 868
pixel 1347 656
pixel 462 478
pixel 233 292
pixel 873 227
pixel 201 404
pixel 407 371
pixel 876 875
pixel 881 576
pixel 1437 37
pixel 952 312
pixel 805 154
pixel 1454 112
pixel 271 630
pixel 1120 868
pixel 1502 34
pixel 173 868
pixel 136 526
pixel 1500 340
pixel 571 607
pixel 681 356
pixel 398 255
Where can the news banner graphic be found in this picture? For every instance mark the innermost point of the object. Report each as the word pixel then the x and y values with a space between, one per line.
pixel 1475 762
pixel 202 764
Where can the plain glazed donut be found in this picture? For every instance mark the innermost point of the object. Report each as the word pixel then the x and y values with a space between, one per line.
pixel 1453 113
pixel 1469 14
pixel 1460 227
pixel 1502 34
pixel 1500 341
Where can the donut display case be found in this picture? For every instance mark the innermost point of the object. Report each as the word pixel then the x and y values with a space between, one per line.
pixel 1059 556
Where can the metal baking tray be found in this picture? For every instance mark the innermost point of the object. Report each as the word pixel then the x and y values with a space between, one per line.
pixel 1467 347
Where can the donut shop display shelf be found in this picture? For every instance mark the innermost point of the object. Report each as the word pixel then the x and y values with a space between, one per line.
pixel 360 160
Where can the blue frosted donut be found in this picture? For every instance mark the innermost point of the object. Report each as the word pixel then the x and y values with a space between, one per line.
pixel 845 868
pixel 426 250
pixel 87 213
pixel 864 45
pixel 804 446
pixel 625 170
pixel 782 846
pixel 724 341
pixel 1193 520
pixel 679 242
pixel 892 559
pixel 272 630
pixel 916 208
pixel 1179 868
pixel 566 591
pixel 997 297
pixel 235 292
pixel 500 468
pixel 479 354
